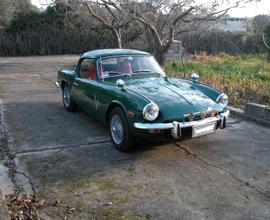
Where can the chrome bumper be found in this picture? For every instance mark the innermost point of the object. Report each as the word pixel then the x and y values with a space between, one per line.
pixel 57 84
pixel 176 125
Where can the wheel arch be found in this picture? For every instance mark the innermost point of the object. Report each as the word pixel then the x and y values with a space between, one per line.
pixel 111 106
pixel 63 82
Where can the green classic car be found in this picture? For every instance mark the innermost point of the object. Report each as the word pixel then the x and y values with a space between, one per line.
pixel 129 91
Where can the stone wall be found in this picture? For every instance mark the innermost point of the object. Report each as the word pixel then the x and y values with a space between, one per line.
pixel 175 52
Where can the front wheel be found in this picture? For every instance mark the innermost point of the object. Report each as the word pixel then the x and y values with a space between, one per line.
pixel 118 127
pixel 67 100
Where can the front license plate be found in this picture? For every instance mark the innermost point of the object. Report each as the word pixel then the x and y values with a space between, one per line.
pixel 202 130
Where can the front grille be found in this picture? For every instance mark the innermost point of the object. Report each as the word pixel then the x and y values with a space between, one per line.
pixel 180 119
pixel 186 132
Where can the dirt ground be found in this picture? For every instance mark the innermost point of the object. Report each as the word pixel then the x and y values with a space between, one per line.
pixel 67 159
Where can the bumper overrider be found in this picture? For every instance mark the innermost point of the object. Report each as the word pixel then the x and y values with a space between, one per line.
pixel 196 128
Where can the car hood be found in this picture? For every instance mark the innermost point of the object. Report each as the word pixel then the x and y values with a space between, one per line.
pixel 174 96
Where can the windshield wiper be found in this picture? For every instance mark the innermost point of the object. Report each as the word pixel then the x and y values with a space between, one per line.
pixel 142 71
pixel 146 71
pixel 113 72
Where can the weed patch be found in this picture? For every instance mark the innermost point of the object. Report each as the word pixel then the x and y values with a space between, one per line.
pixel 243 78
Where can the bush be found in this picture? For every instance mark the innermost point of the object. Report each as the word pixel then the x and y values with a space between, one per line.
pixel 244 78
pixel 215 42
pixel 51 32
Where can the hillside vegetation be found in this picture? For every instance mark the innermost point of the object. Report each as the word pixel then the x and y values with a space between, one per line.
pixel 243 78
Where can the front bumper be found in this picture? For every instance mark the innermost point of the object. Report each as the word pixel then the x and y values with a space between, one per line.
pixel 177 127
pixel 57 84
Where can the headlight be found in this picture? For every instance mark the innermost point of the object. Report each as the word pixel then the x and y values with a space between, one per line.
pixel 150 112
pixel 222 99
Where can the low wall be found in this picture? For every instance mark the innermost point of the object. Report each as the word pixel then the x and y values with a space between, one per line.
pixel 176 52
pixel 258 111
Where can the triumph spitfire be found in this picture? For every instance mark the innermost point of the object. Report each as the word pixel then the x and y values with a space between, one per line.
pixel 129 91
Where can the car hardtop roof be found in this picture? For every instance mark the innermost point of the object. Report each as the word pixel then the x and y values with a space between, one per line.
pixel 112 52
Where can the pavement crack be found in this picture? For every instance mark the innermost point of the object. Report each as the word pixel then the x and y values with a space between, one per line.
pixel 62 147
pixel 29 179
pixel 245 183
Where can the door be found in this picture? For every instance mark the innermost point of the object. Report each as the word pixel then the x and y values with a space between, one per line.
pixel 85 84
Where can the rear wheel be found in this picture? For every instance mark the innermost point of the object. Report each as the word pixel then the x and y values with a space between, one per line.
pixel 67 100
pixel 118 127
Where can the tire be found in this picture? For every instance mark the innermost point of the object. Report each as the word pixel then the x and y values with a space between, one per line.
pixel 69 105
pixel 119 131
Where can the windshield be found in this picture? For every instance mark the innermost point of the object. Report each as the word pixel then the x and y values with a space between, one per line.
pixel 128 65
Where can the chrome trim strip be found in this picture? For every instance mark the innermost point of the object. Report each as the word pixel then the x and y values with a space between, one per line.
pixel 198 123
pixel 170 125
pixel 197 113
pixel 153 125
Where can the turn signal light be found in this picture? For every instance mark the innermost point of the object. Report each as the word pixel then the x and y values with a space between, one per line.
pixel 156 131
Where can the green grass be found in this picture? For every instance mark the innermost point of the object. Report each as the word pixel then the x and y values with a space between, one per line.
pixel 244 78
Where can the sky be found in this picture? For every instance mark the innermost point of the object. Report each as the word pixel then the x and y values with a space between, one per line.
pixel 249 10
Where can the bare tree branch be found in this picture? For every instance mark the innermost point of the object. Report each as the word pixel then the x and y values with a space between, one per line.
pixel 100 19
pixel 151 27
pixel 167 16
pixel 181 16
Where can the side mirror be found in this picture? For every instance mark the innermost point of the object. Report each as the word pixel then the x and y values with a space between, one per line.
pixel 120 83
pixel 195 76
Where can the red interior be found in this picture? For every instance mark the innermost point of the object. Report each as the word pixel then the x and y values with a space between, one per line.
pixel 90 74
pixel 125 67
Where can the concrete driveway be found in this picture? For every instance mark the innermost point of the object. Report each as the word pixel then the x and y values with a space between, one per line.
pixel 67 159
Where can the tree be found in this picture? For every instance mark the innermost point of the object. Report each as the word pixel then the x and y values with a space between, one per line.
pixel 9 8
pixel 261 25
pixel 110 13
pixel 113 16
pixel 260 22
pixel 162 20
pixel 166 19
pixel 266 40
pixel 56 30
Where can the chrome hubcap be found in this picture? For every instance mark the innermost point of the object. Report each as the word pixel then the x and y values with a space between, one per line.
pixel 117 130
pixel 66 96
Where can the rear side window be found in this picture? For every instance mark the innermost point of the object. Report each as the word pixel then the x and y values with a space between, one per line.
pixel 87 69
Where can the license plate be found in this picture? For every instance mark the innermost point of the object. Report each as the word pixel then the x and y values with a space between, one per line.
pixel 202 130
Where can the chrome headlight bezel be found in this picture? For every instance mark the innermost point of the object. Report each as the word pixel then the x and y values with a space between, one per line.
pixel 222 99
pixel 151 111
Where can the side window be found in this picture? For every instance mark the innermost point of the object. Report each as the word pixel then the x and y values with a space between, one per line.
pixel 87 69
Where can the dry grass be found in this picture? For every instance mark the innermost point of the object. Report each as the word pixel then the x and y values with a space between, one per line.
pixel 243 78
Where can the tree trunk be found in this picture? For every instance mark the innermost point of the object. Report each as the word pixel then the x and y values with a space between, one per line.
pixel 160 57
pixel 149 39
pixel 264 41
pixel 160 52
pixel 118 35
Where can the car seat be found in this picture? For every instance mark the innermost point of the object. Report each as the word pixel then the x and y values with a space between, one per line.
pixel 91 73
pixel 125 67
